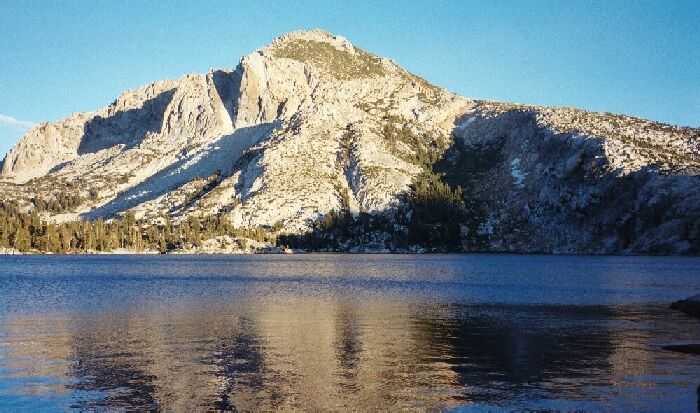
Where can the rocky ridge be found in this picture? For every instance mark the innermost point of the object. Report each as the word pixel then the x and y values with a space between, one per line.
pixel 311 124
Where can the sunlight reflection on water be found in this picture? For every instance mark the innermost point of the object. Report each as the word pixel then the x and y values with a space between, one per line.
pixel 328 332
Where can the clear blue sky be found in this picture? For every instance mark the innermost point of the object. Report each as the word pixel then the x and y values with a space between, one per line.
pixel 633 57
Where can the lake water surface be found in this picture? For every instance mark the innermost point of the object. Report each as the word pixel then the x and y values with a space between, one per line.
pixel 346 332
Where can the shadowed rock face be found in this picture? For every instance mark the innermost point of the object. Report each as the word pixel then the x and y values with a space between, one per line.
pixel 128 127
pixel 299 128
pixel 535 187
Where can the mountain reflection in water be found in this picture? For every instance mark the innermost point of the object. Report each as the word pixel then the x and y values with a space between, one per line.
pixel 153 342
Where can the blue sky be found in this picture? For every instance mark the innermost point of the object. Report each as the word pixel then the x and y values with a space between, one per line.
pixel 634 57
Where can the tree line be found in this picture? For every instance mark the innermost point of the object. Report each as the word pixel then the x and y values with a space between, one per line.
pixel 430 217
pixel 28 231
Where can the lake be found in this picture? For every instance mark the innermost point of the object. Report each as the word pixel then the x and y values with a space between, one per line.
pixel 346 332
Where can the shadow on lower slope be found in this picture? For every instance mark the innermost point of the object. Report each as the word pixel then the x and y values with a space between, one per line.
pixel 217 157
pixel 509 184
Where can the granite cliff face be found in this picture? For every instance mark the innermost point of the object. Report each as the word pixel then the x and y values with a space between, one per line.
pixel 311 124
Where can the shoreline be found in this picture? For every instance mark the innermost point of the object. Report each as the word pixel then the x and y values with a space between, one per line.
pixel 277 251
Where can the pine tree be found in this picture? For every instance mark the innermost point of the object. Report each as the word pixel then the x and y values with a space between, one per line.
pixel 65 238
pixel 52 242
pixel 88 237
pixel 162 245
pixel 4 229
pixel 22 239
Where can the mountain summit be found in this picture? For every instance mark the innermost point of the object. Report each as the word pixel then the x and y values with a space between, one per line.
pixel 312 135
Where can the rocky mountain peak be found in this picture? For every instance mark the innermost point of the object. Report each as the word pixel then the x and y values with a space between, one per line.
pixel 330 55
pixel 315 35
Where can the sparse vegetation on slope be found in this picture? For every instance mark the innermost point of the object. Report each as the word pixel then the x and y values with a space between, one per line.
pixel 341 64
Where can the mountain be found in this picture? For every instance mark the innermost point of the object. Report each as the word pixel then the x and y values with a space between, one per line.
pixel 318 141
